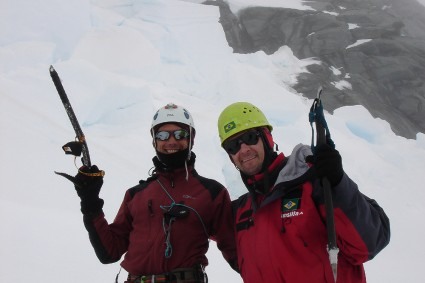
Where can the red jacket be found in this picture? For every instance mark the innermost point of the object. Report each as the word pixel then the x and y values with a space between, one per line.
pixel 138 229
pixel 281 236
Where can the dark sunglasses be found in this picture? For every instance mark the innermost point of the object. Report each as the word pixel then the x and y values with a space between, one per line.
pixel 178 135
pixel 234 145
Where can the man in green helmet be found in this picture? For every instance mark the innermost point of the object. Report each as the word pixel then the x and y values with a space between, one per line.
pixel 280 224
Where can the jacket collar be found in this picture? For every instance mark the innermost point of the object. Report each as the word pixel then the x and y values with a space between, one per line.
pixel 262 182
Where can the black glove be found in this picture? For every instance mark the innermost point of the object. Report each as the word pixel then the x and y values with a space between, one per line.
pixel 88 182
pixel 328 163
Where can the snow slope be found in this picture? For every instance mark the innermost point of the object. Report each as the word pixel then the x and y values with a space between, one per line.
pixel 120 60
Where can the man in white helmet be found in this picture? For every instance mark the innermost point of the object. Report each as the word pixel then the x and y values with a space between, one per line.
pixel 164 223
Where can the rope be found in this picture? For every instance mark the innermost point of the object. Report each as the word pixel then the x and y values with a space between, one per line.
pixel 167 230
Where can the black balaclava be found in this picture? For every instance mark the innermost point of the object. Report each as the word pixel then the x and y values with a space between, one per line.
pixel 174 160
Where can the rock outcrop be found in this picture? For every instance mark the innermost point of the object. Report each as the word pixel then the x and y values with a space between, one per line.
pixel 372 52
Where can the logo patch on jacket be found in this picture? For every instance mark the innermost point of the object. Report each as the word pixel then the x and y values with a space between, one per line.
pixel 290 204
pixel 289 207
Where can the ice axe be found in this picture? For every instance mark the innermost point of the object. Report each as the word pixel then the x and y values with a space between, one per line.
pixel 324 137
pixel 79 146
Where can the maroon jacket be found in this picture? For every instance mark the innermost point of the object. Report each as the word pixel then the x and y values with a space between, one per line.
pixel 282 238
pixel 138 229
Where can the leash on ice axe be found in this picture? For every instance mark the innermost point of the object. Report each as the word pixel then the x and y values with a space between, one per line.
pixel 324 137
pixel 79 146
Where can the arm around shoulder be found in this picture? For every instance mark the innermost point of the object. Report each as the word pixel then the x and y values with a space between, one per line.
pixel 224 231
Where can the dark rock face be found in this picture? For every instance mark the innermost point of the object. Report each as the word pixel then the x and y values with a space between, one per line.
pixel 386 73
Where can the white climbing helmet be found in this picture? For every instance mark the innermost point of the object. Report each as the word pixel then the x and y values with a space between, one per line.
pixel 172 113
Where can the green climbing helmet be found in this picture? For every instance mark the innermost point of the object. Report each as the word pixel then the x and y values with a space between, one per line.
pixel 238 117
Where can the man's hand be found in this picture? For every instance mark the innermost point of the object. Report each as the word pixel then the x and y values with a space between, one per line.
pixel 328 163
pixel 88 183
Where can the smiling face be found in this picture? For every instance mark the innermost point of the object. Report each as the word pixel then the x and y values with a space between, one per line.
pixel 171 145
pixel 249 159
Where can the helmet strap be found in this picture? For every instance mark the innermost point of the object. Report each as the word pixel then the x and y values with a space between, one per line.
pixel 153 138
pixel 268 144
pixel 190 143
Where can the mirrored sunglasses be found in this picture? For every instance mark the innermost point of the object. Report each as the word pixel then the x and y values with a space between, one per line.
pixel 234 145
pixel 178 135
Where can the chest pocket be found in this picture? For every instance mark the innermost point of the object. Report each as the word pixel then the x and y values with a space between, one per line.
pixel 290 204
pixel 245 220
